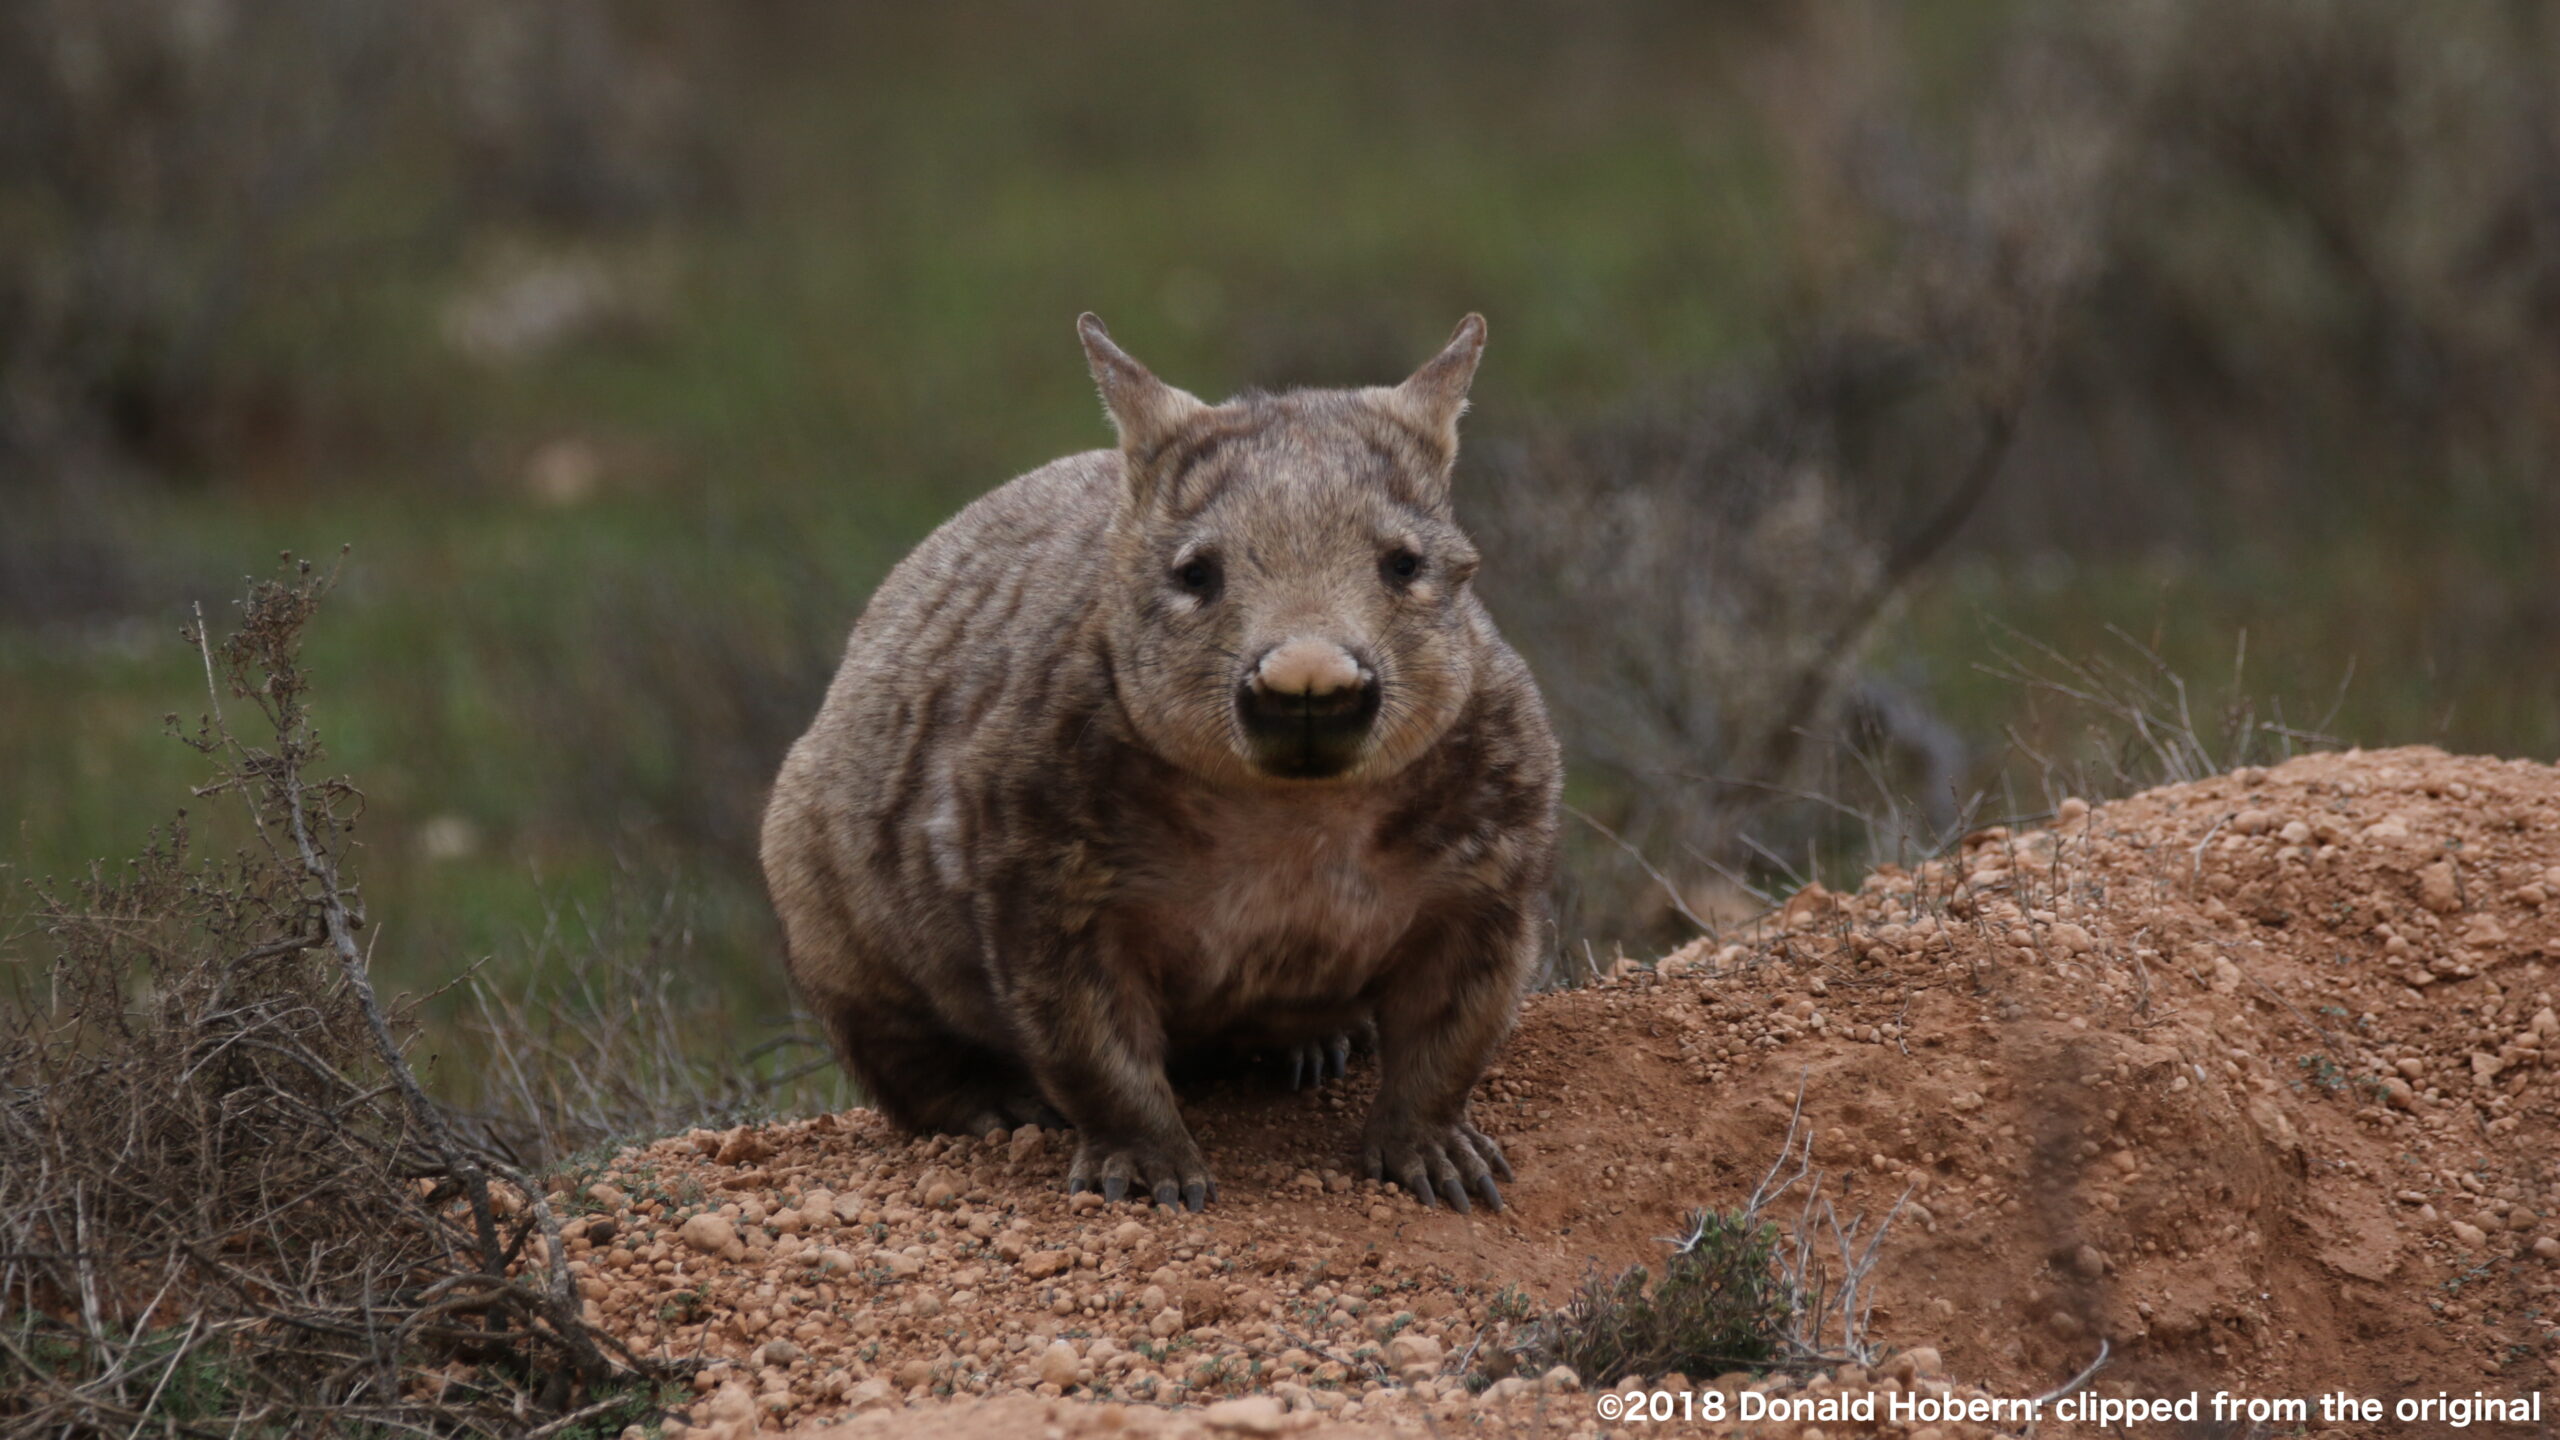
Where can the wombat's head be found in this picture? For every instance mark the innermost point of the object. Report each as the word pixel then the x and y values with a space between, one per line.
pixel 1290 593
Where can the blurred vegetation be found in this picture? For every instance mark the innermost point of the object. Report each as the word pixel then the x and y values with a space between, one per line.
pixel 628 344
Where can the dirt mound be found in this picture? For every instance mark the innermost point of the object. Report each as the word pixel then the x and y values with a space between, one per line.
pixel 2248 1079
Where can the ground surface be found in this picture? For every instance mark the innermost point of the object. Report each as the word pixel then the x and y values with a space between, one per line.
pixel 2249 1079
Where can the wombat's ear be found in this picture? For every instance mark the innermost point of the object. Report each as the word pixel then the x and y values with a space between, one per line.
pixel 1144 409
pixel 1433 397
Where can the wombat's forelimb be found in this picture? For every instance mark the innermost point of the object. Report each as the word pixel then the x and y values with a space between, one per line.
pixel 1098 1044
pixel 1445 1007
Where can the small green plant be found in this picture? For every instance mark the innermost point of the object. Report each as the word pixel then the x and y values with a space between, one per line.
pixel 2324 1072
pixel 1720 1304
pixel 1511 1303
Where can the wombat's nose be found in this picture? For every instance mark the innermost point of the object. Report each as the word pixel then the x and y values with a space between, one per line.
pixel 1306 707
pixel 1312 668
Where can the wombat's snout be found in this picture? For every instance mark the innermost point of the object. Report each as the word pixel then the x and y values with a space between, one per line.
pixel 1306 706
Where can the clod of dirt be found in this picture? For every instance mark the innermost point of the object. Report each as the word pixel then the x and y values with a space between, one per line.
pixel 2250 1079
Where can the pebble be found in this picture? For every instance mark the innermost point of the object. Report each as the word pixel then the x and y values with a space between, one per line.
pixel 1249 1415
pixel 1059 1365
pixel 711 1234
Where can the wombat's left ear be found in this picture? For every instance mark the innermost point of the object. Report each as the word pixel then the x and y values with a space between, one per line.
pixel 1433 397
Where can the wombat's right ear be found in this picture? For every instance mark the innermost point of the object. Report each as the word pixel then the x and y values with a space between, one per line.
pixel 1145 410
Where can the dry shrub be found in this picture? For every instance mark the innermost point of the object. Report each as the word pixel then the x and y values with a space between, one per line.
pixel 1739 1291
pixel 225 1202
pixel 614 1036
pixel 1697 581
pixel 2130 721
pixel 1717 1307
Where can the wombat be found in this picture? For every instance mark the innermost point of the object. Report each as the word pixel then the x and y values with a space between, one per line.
pixel 1200 744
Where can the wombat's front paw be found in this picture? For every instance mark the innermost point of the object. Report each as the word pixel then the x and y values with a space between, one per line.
pixel 1313 1062
pixel 1172 1174
pixel 1437 1161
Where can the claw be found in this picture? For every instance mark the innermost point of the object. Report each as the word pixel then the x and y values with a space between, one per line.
pixel 1167 1194
pixel 1079 1184
pixel 1298 1068
pixel 1492 1196
pixel 1420 1186
pixel 1213 1192
pixel 1195 1195
pixel 1337 1055
pixel 1457 1198
pixel 1114 1187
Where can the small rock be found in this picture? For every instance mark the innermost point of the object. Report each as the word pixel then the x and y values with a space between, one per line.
pixel 2547 1247
pixel 1408 1350
pixel 608 1198
pixel 1058 1364
pixel 1029 1143
pixel 872 1394
pixel 2071 811
pixel 2252 822
pixel 1561 1378
pixel 2089 1260
pixel 779 1352
pixel 1130 1235
pixel 2295 832
pixel 743 1146
pixel 2226 976
pixel 2437 890
pixel 711 1234
pixel 1251 1415
pixel 920 1372
pixel 2469 1234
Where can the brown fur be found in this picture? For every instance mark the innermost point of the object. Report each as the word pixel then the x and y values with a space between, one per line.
pixel 1046 832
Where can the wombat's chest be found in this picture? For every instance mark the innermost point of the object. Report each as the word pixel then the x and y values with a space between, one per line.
pixel 1282 904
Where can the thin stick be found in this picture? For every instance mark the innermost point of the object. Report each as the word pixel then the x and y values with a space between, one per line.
pixel 1669 890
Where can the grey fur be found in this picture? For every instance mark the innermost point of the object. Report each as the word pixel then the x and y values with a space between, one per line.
pixel 1057 822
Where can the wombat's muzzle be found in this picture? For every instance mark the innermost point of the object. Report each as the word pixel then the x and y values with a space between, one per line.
pixel 1305 715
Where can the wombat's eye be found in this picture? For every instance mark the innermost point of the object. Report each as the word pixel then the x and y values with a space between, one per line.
pixel 1199 575
pixel 1401 565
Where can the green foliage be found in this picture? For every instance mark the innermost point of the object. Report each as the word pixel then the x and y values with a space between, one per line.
pixel 1721 1304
